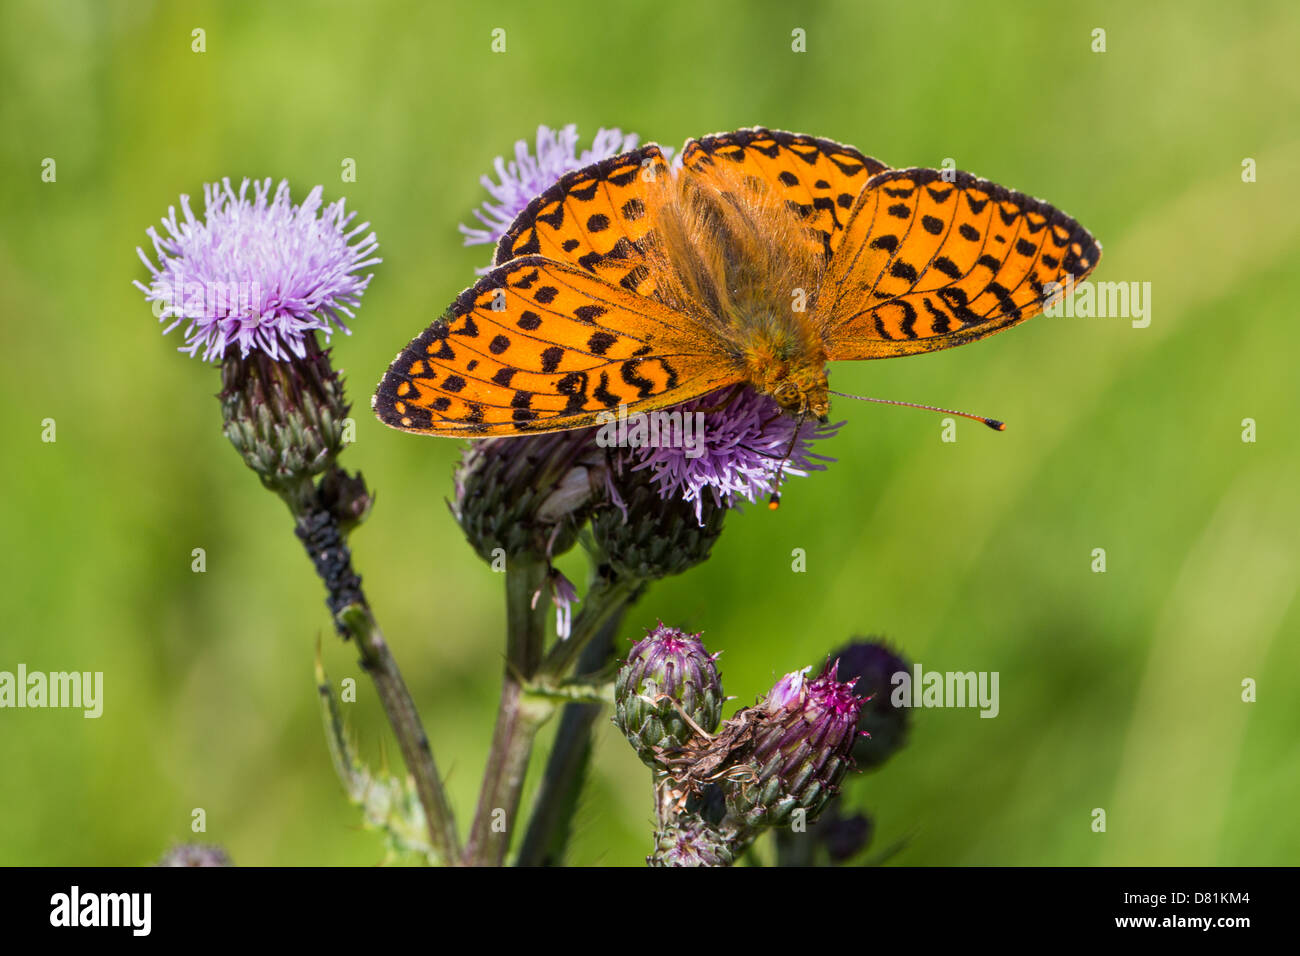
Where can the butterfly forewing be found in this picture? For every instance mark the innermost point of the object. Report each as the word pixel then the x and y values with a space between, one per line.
pixel 927 263
pixel 537 345
pixel 594 218
pixel 819 179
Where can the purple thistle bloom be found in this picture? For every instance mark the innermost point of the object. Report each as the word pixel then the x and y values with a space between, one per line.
pixel 744 446
pixel 528 176
pixel 257 272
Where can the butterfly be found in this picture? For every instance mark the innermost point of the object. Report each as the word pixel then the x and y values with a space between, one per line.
pixel 761 257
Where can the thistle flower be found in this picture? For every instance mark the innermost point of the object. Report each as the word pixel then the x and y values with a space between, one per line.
pixel 749 448
pixel 667 674
pixel 645 537
pixel 798 753
pixel 257 272
pixel 527 496
pixel 869 665
pixel 691 843
pixel 527 176
pixel 844 837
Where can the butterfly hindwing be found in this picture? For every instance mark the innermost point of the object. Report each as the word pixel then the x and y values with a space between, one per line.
pixel 538 346
pixel 929 262
pixel 593 217
pixel 819 179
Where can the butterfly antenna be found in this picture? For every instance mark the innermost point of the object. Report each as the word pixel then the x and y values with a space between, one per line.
pixel 993 423
pixel 774 499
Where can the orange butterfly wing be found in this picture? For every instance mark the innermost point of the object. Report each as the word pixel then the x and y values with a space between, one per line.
pixel 819 179
pixel 929 264
pixel 594 218
pixel 538 346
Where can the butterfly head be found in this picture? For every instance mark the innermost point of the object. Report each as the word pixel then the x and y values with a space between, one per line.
pixel 802 391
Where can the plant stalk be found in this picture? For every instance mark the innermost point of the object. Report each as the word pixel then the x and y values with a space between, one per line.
pixel 319 531
pixel 557 798
pixel 519 716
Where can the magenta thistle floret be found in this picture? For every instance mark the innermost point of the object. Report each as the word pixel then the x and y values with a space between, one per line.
pixel 748 449
pixel 257 272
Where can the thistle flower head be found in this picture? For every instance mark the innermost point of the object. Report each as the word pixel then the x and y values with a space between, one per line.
pixel 689 842
pixel 527 495
pixel 843 836
pixel 645 537
pixel 799 752
pixel 667 678
pixel 748 449
pixel 257 271
pixel 521 180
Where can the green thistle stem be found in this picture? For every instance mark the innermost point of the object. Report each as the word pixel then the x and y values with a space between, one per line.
pixel 519 716
pixel 388 803
pixel 377 660
pixel 566 768
pixel 318 528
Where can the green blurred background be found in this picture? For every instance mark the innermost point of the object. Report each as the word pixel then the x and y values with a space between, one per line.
pixel 1119 690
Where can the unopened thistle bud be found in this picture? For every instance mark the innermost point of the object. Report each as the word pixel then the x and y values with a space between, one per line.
pixel 646 537
pixel 869 665
pixel 668 678
pixel 691 843
pixel 798 753
pixel 527 496
pixel 844 837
